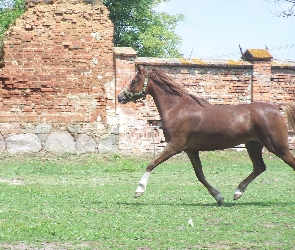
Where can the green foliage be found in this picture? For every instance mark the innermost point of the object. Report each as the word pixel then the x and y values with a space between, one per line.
pixel 138 25
pixel 9 13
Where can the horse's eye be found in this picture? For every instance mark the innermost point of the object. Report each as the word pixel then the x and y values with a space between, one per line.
pixel 133 83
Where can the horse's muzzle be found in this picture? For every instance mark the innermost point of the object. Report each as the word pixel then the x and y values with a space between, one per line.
pixel 122 98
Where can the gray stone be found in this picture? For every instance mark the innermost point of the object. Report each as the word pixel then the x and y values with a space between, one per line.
pixel 2 143
pixel 113 124
pixel 108 143
pixel 11 128
pixel 42 137
pixel 73 128
pixel 60 142
pixel 100 128
pixel 85 144
pixel 28 128
pixel 23 143
pixel 113 129
pixel 43 128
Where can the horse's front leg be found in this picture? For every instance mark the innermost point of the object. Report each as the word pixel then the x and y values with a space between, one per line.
pixel 168 152
pixel 196 162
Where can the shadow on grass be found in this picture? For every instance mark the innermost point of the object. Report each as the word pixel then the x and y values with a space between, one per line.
pixel 264 204
pixel 213 204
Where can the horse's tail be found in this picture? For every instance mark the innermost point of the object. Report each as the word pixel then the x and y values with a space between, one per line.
pixel 289 110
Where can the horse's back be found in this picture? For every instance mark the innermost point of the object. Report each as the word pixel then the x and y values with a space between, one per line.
pixel 254 113
pixel 225 126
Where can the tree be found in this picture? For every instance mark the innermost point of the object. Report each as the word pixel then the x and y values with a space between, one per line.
pixel 288 11
pixel 139 26
pixel 136 24
pixel 10 10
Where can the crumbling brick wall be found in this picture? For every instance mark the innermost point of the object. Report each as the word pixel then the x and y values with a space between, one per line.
pixel 58 69
pixel 58 57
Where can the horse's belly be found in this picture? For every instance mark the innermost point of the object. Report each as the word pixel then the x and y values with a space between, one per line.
pixel 203 142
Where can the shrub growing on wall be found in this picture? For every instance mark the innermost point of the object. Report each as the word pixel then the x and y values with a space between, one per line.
pixel 10 10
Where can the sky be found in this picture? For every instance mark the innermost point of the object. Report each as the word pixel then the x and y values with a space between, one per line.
pixel 213 29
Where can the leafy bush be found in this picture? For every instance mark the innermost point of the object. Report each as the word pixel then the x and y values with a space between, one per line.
pixel 10 11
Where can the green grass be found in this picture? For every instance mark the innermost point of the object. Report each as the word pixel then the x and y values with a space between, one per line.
pixel 86 202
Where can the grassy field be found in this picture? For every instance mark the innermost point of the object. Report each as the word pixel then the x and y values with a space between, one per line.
pixel 86 202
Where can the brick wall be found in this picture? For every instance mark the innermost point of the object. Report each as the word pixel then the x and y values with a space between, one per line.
pixel 58 69
pixel 58 57
pixel 219 82
pixel 61 77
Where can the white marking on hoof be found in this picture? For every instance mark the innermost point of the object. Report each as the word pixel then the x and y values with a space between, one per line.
pixel 238 193
pixel 141 188
pixel 142 184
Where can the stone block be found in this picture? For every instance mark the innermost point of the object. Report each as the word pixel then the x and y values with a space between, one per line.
pixel 108 143
pixel 43 128
pixel 85 144
pixel 2 143
pixel 23 143
pixel 60 142
pixel 73 128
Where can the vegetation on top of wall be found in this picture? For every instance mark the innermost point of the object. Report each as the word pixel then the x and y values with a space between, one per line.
pixel 136 24
pixel 10 10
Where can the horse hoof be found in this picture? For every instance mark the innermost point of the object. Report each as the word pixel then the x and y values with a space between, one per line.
pixel 238 194
pixel 138 194
pixel 219 198
pixel 220 202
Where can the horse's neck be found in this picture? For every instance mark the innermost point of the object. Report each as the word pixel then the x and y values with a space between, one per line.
pixel 165 103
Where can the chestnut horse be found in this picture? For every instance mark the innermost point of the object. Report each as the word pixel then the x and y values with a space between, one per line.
pixel 191 124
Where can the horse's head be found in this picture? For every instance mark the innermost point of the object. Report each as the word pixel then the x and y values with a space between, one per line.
pixel 137 89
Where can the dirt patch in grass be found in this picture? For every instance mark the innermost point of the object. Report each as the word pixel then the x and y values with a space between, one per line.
pixel 50 246
pixel 23 246
pixel 18 181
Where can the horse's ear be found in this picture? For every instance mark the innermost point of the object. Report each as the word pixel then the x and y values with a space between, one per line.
pixel 140 69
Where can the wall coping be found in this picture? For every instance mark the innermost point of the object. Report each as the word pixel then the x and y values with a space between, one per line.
pixel 253 54
pixel 283 64
pixel 257 55
pixel 195 62
pixel 124 51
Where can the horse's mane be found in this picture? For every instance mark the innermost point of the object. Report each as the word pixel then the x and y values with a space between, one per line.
pixel 170 87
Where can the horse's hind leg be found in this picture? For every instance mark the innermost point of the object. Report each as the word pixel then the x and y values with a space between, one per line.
pixel 287 157
pixel 284 154
pixel 195 160
pixel 278 144
pixel 254 149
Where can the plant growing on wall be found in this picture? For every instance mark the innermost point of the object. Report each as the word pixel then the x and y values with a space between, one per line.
pixel 10 10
